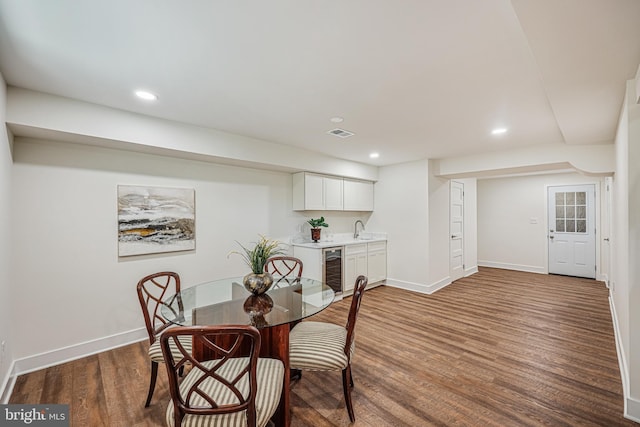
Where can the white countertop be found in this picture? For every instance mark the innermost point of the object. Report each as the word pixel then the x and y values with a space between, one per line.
pixel 333 240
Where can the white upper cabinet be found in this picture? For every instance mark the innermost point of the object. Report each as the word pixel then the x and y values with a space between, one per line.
pixel 358 195
pixel 314 192
pixel 333 191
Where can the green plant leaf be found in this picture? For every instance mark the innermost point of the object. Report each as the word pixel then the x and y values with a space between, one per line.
pixel 256 257
pixel 319 222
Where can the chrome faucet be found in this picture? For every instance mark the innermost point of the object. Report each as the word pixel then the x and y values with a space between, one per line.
pixel 355 229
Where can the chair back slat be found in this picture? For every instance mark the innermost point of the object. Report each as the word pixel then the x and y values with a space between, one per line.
pixel 356 299
pixel 226 384
pixel 152 291
pixel 284 266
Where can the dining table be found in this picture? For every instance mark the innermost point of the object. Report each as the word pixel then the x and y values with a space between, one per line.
pixel 227 302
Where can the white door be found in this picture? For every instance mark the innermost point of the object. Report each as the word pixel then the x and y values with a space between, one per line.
pixel 572 230
pixel 456 230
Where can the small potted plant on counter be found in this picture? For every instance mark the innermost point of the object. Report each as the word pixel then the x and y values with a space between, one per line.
pixel 315 227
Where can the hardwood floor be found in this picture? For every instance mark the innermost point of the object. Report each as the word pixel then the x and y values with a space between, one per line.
pixel 499 348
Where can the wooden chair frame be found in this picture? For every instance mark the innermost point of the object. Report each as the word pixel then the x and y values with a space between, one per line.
pixel 226 342
pixel 284 267
pixel 152 290
pixel 347 378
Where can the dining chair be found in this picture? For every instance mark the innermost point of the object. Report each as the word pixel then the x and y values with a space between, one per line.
pixel 235 388
pixel 284 268
pixel 321 346
pixel 152 291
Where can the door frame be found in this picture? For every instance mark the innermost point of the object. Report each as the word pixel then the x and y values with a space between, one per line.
pixel 598 219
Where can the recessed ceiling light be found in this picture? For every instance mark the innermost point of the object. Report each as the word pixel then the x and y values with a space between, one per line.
pixel 374 155
pixel 498 131
pixel 147 96
pixel 337 119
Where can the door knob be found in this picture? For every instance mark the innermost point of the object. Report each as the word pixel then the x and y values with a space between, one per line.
pixel 551 237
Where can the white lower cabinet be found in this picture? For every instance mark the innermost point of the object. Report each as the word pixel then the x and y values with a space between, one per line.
pixel 369 259
pixel 355 264
pixel 377 261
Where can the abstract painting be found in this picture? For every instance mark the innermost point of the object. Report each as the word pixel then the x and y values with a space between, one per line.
pixel 155 220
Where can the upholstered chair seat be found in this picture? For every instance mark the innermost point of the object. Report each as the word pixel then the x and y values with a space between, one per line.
pixel 234 388
pixel 155 352
pixel 269 375
pixel 320 346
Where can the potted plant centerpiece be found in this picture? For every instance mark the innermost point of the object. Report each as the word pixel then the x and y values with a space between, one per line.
pixel 258 281
pixel 315 227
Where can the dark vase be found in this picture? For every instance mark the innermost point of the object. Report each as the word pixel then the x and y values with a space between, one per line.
pixel 315 234
pixel 258 284
pixel 256 306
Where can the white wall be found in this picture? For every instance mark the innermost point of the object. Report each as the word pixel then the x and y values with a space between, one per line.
pixel 619 283
pixel 439 241
pixel 470 225
pixel 412 205
pixel 401 209
pixel 71 282
pixel 38 114
pixel 625 274
pixel 553 158
pixel 6 225
pixel 507 238
pixel 634 252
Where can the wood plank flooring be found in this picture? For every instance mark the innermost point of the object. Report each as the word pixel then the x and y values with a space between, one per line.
pixel 499 348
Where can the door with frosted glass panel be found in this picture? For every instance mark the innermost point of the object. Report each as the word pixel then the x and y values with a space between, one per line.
pixel 572 230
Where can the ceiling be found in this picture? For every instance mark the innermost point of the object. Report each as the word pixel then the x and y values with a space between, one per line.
pixel 412 79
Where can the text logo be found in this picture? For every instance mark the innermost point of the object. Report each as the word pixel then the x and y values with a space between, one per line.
pixel 34 415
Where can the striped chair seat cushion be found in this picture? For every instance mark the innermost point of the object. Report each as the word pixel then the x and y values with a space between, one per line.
pixel 318 346
pixel 155 352
pixel 270 376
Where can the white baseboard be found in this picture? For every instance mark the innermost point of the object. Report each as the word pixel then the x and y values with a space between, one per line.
pixel 7 384
pixel 418 287
pixel 519 267
pixel 77 351
pixel 66 354
pixel 632 409
pixel 471 270
pixel 424 288
pixel 631 405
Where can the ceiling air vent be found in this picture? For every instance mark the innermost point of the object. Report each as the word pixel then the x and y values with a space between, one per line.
pixel 341 133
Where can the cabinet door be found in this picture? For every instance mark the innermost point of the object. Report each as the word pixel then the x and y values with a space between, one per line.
pixel 332 194
pixel 377 263
pixel 358 195
pixel 354 265
pixel 313 192
pixel 349 273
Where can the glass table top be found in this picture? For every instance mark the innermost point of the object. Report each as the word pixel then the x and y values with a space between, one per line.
pixel 227 302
